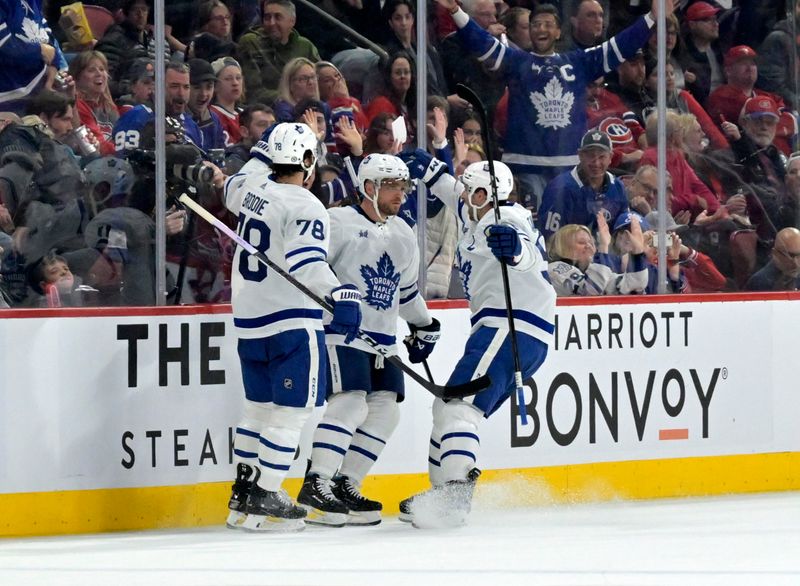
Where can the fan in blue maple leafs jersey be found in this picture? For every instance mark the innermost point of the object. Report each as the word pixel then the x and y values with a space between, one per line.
pixel 547 93
pixel 372 247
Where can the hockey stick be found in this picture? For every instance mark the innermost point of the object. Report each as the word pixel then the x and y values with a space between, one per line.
pixel 470 96
pixel 444 392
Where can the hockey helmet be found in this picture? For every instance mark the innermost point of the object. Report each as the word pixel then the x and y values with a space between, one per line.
pixel 378 168
pixel 291 143
pixel 477 176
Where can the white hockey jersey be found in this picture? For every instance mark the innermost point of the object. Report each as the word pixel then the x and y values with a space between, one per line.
pixel 382 260
pixel 532 297
pixel 289 225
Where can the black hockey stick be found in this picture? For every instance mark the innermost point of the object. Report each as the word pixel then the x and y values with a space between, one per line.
pixel 444 392
pixel 470 96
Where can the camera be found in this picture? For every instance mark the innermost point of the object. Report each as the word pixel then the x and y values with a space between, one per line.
pixel 183 163
pixel 668 241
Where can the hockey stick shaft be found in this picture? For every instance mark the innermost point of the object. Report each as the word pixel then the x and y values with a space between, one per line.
pixel 454 391
pixel 470 96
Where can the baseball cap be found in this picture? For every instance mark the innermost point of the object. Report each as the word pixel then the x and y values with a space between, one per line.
pixel 224 62
pixel 200 71
pixel 760 106
pixel 595 139
pixel 140 69
pixel 701 11
pixel 738 53
pixel 624 221
pixel 672 225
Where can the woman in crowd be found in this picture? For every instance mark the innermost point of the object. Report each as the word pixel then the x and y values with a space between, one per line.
pixel 228 91
pixel 333 91
pixel 298 83
pixel 96 108
pixel 399 95
pixel 579 267
pixel 673 41
pixel 380 137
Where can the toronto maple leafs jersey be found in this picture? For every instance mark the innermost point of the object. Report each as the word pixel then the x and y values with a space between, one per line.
pixel 23 29
pixel 135 130
pixel 382 260
pixel 547 93
pixel 291 227
pixel 533 298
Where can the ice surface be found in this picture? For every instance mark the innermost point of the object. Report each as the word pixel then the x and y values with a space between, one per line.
pixel 752 540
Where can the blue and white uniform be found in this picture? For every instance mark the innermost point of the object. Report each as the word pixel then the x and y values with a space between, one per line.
pixel 547 93
pixel 130 128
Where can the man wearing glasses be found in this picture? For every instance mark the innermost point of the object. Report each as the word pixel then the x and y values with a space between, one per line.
pixel 782 272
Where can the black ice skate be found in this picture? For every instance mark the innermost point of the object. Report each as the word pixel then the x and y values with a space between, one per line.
pixel 444 506
pixel 322 505
pixel 363 511
pixel 272 511
pixel 239 493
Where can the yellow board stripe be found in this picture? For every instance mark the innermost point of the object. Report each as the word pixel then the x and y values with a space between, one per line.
pixel 125 509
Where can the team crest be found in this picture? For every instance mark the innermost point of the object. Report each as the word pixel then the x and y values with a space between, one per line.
pixel 381 283
pixel 464 271
pixel 553 106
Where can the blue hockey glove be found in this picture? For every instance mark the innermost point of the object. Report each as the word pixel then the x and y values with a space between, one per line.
pixel 504 242
pixel 421 340
pixel 346 312
pixel 422 165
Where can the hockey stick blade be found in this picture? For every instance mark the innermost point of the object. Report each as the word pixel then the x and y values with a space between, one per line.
pixel 444 392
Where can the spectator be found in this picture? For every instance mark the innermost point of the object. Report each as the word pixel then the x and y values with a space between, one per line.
pixel 790 210
pixel 726 102
pixel 517 21
pixel 56 286
pixel 701 56
pixel 399 97
pixel 127 41
pixel 96 109
pixel 333 91
pixel 626 244
pixel 684 102
pixel 380 137
pixel 673 50
pixel 141 75
pixel 265 50
pixel 586 26
pixel 56 110
pixel 202 80
pixel 574 269
pixel 782 272
pixel 628 83
pixel 209 47
pixel 227 96
pixel 548 107
pixel 214 17
pixel 29 52
pixel 577 196
pixel 777 66
pixel 253 122
pixel 298 83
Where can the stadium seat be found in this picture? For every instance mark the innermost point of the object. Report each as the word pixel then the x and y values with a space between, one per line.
pixel 100 19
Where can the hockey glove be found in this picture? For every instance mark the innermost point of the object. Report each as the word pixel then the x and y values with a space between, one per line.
pixel 346 312
pixel 421 340
pixel 422 165
pixel 504 242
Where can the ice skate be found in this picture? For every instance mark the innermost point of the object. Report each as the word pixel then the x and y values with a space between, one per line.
pixel 272 511
pixel 444 506
pixel 323 507
pixel 240 490
pixel 363 511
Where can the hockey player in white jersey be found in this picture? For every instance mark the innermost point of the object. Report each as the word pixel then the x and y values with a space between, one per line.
pixel 455 436
pixel 281 338
pixel 378 252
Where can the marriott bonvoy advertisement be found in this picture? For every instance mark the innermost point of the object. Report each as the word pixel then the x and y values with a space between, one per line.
pixel 153 400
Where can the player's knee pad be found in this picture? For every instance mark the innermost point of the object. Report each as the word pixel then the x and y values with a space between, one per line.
pixel 456 415
pixel 256 414
pixel 383 415
pixel 349 409
pixel 291 419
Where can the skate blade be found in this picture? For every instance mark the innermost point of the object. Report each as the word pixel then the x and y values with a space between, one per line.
pixel 317 517
pixel 235 519
pixel 364 518
pixel 265 524
pixel 406 517
pixel 449 521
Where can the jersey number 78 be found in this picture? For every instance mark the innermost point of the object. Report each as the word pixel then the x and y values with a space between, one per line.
pixel 248 229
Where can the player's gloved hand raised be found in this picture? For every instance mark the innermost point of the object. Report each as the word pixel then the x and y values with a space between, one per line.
pixel 421 340
pixel 422 165
pixel 504 242
pixel 346 312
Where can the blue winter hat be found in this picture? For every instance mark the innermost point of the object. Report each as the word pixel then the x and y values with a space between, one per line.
pixel 623 221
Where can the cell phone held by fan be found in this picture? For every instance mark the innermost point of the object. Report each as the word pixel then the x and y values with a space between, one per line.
pixel 668 241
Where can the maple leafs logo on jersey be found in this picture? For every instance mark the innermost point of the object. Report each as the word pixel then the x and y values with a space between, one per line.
pixel 381 283
pixel 553 106
pixel 464 271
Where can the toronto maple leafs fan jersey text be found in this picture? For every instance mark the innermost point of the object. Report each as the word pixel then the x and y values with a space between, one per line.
pixel 134 130
pixel 290 226
pixel 533 297
pixel 547 93
pixel 382 260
